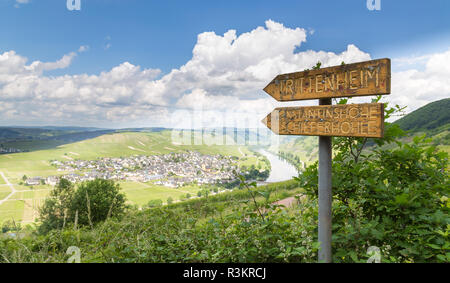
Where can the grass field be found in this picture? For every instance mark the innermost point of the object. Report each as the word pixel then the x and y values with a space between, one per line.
pixel 24 203
pixel 4 191
pixel 12 210
pixel 142 193
pixel 445 148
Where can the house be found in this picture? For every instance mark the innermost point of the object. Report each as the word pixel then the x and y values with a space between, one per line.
pixel 51 180
pixel 33 181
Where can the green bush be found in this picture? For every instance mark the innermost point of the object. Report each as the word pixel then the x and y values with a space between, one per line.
pixel 395 199
pixel 92 202
pixel 155 203
pixel 55 211
pixel 97 200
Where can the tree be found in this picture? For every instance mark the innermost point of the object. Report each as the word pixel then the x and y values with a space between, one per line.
pixel 169 200
pixel 97 200
pixel 205 192
pixel 92 202
pixel 24 178
pixel 55 211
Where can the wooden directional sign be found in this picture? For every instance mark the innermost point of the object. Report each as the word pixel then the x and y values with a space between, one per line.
pixel 349 120
pixel 358 79
pixel 345 120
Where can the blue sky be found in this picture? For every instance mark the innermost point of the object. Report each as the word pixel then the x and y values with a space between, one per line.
pixel 162 34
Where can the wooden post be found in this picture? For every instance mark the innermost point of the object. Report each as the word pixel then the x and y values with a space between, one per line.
pixel 325 195
pixel 356 120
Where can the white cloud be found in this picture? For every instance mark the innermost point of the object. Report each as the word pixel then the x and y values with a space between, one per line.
pixel 83 48
pixel 27 94
pixel 19 2
pixel 415 88
pixel 226 73
pixel 411 60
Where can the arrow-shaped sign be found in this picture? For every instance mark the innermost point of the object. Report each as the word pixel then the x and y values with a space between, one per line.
pixel 358 79
pixel 350 120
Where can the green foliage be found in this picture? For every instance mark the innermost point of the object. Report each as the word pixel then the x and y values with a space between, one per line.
pixel 55 211
pixel 292 159
pixel 10 226
pixel 96 201
pixel 198 230
pixel 317 66
pixel 179 234
pixel 431 116
pixel 92 202
pixel 395 199
pixel 252 173
pixel 209 207
pixel 155 203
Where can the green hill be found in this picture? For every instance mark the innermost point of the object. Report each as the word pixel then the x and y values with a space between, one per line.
pixel 433 116
pixel 433 120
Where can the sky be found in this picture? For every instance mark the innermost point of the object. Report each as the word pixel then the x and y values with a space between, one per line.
pixel 143 63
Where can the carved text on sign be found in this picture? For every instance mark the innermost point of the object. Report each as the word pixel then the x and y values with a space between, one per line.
pixel 358 79
pixel 352 120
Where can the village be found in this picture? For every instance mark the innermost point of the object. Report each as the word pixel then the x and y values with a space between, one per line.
pixel 170 170
pixel 7 150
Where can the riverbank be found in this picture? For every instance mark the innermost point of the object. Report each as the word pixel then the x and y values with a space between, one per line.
pixel 281 170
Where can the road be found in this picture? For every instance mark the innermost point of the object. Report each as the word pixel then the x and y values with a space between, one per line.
pixel 13 190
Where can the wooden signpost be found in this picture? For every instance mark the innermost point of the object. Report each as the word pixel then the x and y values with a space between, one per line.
pixel 352 120
pixel 358 79
pixel 326 120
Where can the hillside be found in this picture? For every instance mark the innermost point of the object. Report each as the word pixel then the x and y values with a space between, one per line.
pixel 433 117
pixel 23 204
pixel 23 139
pixel 433 120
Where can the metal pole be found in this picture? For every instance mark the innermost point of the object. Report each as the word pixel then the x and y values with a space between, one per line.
pixel 325 195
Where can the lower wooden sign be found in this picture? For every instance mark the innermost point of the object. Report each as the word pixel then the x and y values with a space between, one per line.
pixel 346 120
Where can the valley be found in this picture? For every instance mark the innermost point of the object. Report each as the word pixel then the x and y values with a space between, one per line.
pixel 147 165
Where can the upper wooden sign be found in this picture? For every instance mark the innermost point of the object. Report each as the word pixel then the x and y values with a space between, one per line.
pixel 358 79
pixel 349 120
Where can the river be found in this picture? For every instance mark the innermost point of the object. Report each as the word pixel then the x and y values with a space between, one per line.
pixel 281 169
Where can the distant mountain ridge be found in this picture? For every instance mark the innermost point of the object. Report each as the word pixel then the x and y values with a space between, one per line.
pixel 58 128
pixel 45 137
